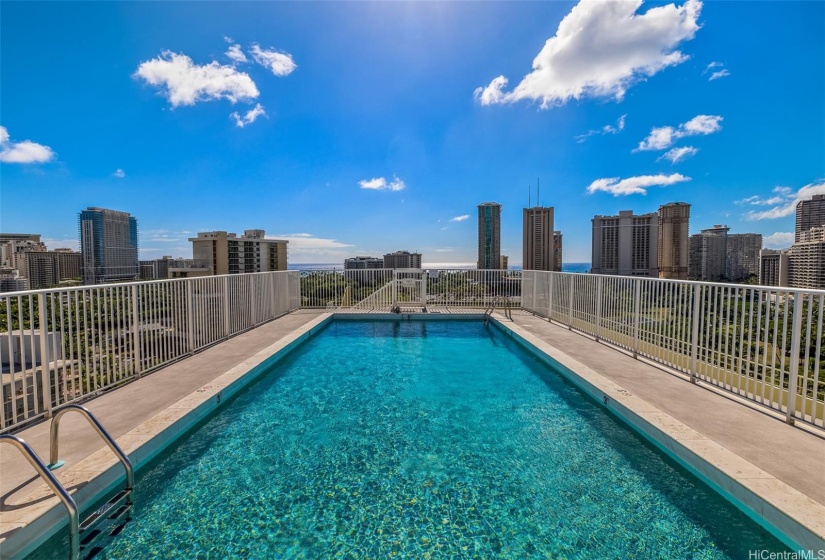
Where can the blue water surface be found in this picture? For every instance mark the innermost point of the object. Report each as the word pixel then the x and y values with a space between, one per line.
pixel 405 439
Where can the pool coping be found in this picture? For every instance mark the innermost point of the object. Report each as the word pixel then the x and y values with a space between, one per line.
pixel 796 519
pixel 793 517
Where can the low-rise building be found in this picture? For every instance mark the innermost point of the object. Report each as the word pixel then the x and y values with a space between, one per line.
pixel 226 253
pixel 363 263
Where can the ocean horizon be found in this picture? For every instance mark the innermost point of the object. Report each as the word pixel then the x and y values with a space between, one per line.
pixel 565 267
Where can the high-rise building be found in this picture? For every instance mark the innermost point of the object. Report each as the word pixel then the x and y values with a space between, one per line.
pixel 108 245
pixel 743 256
pixel 13 243
pixel 557 251
pixel 626 245
pixel 489 235
pixel 363 263
pixel 806 260
pixel 773 268
pixel 402 259
pixel 13 282
pixel 674 244
pixel 46 269
pixel 538 238
pixel 809 214
pixel 708 254
pixel 226 253
pixel 505 262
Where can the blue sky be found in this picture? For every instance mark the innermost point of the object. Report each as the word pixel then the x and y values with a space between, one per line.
pixel 362 128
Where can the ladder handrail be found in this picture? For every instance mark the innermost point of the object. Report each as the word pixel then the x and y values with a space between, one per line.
pixel 491 307
pixel 55 485
pixel 86 413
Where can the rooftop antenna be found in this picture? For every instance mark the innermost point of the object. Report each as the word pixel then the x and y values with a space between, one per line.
pixel 529 195
pixel 538 191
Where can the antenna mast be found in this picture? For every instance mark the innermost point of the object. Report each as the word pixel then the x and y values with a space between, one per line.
pixel 538 191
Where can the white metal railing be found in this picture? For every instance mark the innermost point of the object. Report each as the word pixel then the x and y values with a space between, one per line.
pixel 381 289
pixel 765 344
pixel 62 345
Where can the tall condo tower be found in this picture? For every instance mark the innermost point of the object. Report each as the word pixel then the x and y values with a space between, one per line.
pixel 626 244
pixel 809 214
pixel 108 246
pixel 674 243
pixel 538 239
pixel 489 235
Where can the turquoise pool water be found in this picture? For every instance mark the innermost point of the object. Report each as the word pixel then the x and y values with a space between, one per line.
pixel 421 440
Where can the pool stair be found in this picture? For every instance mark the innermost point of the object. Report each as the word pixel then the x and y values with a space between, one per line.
pixel 107 520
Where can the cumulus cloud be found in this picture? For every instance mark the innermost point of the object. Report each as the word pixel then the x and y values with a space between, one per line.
pixel 185 83
pixel 600 49
pixel 236 54
pixel 678 154
pixel 778 240
pixel 249 117
pixel 784 201
pixel 281 64
pixel 306 247
pixel 22 152
pixel 460 218
pixel 606 129
pixel 119 173
pixel 662 137
pixel 634 185
pixel 381 184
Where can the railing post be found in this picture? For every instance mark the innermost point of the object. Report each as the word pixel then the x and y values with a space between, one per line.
pixel 190 316
pixel 226 306
pixel 135 332
pixel 535 285
pixel 793 363
pixel 599 288
pixel 570 308
pixel 550 277
pixel 45 381
pixel 394 287
pixel 694 337
pixel 637 311
pixel 253 311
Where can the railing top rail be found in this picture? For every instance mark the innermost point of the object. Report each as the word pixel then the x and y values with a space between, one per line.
pixel 135 283
pixel 692 282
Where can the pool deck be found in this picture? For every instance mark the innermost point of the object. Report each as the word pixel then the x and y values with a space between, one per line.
pixel 792 455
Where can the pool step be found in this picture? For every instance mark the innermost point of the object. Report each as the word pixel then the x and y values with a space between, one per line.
pixel 107 520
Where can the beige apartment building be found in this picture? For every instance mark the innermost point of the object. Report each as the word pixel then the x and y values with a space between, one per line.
pixel 539 239
pixel 674 244
pixel 226 253
pixel 626 244
pixel 402 259
pixel 773 268
pixel 806 260
pixel 809 214
pixel 708 254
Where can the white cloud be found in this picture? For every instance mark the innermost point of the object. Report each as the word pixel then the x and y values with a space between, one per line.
pixel 460 218
pixel 786 201
pixel 22 152
pixel 236 54
pixel 228 39
pixel 306 247
pixel 249 117
pixel 678 154
pixel 186 83
pixel 634 185
pixel 119 173
pixel 445 250
pixel 381 184
pixel 778 240
pixel 720 74
pixel 600 49
pixel 662 137
pixel 606 129
pixel 281 64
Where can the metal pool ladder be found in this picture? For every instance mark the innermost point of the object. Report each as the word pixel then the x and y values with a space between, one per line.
pixel 491 307
pixel 82 534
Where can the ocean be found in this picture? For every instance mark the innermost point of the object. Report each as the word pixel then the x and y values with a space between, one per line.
pixel 566 267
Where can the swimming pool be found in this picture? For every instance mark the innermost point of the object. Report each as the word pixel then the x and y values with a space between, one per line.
pixel 421 439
